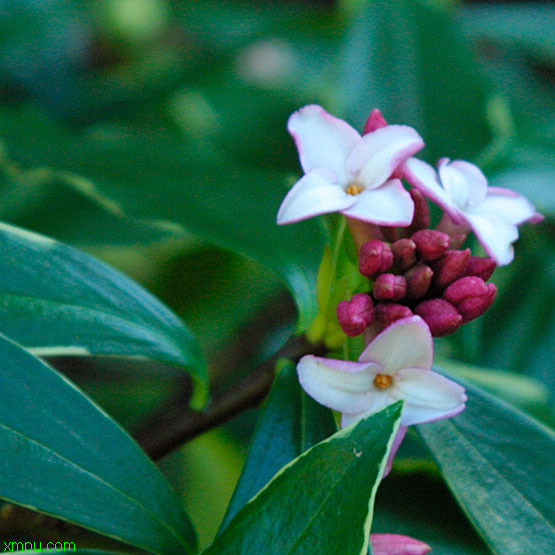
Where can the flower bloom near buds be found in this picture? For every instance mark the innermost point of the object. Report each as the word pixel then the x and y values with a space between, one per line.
pixel 347 173
pixel 461 189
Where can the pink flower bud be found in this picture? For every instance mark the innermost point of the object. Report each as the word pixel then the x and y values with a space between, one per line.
pixel 387 313
pixel 356 315
pixel 375 121
pixel 389 287
pixel 396 544
pixel 421 219
pixel 404 251
pixel 450 266
pixel 430 243
pixel 481 267
pixel 471 295
pixel 375 256
pixel 419 279
pixel 440 315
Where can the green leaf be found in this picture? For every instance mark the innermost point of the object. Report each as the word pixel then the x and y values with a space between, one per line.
pixel 64 456
pixel 59 301
pixel 165 179
pixel 498 463
pixel 290 423
pixel 322 502
pixel 409 59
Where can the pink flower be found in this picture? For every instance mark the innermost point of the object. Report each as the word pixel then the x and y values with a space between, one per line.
pixel 461 189
pixel 395 366
pixel 347 173
pixel 395 544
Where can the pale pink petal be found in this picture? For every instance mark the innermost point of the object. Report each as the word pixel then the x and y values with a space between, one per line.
pixel 389 205
pixel 401 432
pixel 395 544
pixel 407 343
pixel 495 235
pixel 340 385
pixel 378 154
pixel 508 205
pixel 463 182
pixel 424 177
pixel 314 194
pixel 428 396
pixel 378 400
pixel 323 141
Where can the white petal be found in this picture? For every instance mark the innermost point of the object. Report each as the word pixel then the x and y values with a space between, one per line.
pixel 379 399
pixel 323 141
pixel 428 396
pixel 425 178
pixel 496 236
pixel 314 194
pixel 407 343
pixel 340 385
pixel 506 204
pixel 463 182
pixel 389 204
pixel 379 153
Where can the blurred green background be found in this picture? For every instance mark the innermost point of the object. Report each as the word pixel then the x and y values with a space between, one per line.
pixel 151 133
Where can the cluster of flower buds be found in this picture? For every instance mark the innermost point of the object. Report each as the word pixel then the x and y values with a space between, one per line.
pixel 424 274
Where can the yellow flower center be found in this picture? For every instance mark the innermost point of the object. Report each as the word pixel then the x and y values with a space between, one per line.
pixel 382 381
pixel 354 189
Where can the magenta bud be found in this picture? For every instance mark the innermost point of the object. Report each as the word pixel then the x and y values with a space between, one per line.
pixel 450 266
pixel 440 315
pixel 389 287
pixel 471 295
pixel 387 313
pixel 356 315
pixel 404 251
pixel 375 256
pixel 375 121
pixel 481 267
pixel 419 279
pixel 395 544
pixel 421 218
pixel 430 243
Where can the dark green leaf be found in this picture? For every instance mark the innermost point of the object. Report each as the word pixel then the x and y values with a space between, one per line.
pixel 57 300
pixel 290 423
pixel 63 456
pixel 498 463
pixel 322 502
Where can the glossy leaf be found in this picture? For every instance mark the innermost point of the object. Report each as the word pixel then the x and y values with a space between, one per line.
pixel 64 456
pixel 290 423
pixel 498 463
pixel 59 301
pixel 322 502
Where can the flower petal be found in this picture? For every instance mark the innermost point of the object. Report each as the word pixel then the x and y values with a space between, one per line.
pixel 323 141
pixel 379 153
pixel 395 544
pixel 424 177
pixel 378 400
pixel 407 343
pixel 428 396
pixel 508 205
pixel 389 204
pixel 463 182
pixel 338 384
pixel 314 194
pixel 496 236
pixel 401 432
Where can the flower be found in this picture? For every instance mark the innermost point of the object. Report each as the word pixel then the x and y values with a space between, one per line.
pixel 396 544
pixel 396 365
pixel 461 189
pixel 348 173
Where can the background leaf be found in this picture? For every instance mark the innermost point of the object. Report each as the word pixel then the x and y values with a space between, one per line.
pixel 505 488
pixel 57 300
pixel 323 500
pixel 63 456
pixel 289 424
